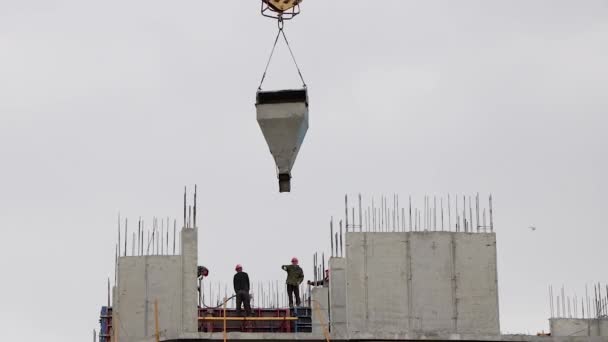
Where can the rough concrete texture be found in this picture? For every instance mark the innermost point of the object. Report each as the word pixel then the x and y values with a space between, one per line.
pixel 476 283
pixel 142 281
pixel 579 327
pixel 337 297
pixel 384 337
pixel 430 283
pixel 169 280
pixel 320 312
pixel 189 285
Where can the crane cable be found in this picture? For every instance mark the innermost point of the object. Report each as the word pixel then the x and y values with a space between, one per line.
pixel 279 33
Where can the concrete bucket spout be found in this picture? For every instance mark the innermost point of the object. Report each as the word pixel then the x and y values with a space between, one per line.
pixel 283 118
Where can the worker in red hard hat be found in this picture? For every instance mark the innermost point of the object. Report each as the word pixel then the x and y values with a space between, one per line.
pixel 323 282
pixel 241 289
pixel 295 276
pixel 202 271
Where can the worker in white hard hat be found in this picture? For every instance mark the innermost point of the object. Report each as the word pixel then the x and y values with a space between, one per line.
pixel 241 289
pixel 295 277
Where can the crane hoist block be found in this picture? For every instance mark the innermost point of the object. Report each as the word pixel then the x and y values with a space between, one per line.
pixel 283 118
pixel 282 5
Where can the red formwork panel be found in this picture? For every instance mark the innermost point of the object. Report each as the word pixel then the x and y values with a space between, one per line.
pixel 247 325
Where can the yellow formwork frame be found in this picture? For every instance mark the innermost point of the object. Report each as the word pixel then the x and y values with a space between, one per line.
pixel 225 332
pixel 317 307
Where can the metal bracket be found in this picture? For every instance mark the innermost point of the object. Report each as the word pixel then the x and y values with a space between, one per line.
pixel 290 9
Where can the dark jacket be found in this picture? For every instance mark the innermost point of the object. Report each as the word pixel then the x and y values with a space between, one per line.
pixel 241 282
pixel 295 275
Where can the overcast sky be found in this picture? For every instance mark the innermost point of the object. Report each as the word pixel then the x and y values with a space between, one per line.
pixel 113 106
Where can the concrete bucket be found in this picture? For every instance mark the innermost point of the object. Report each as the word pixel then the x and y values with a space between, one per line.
pixel 283 118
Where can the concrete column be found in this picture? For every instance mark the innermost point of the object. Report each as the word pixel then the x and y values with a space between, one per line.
pixel 476 284
pixel 337 298
pixel 115 306
pixel 189 248
pixel 454 282
pixel 408 281
pixel 320 317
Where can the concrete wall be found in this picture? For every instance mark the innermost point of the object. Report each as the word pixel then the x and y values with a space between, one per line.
pixel 431 283
pixel 142 281
pixel 579 327
pixel 169 280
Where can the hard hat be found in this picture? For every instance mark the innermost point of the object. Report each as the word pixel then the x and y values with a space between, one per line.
pixel 203 271
pixel 294 260
pixel 238 267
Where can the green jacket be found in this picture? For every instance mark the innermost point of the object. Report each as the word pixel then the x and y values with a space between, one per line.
pixel 295 275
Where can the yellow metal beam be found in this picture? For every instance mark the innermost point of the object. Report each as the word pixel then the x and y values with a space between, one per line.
pixel 320 315
pixel 224 319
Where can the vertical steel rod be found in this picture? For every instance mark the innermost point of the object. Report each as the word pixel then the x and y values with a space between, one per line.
pixel 491 216
pixel 331 233
pixel 449 214
pixel 360 215
pixel 341 248
pixel 410 198
pixel 346 210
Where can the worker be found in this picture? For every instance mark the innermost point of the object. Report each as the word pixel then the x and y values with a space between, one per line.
pixel 202 271
pixel 295 276
pixel 241 289
pixel 323 282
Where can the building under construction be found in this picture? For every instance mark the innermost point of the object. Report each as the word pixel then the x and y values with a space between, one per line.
pixel 397 273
